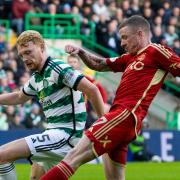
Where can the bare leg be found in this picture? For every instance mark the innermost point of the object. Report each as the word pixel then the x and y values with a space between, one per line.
pixel 113 171
pixel 14 150
pixel 81 154
pixel 36 171
pixel 10 152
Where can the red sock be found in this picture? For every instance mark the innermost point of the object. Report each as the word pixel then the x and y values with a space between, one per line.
pixel 62 171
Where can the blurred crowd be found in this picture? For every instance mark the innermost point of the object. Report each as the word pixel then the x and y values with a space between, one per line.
pixel 163 15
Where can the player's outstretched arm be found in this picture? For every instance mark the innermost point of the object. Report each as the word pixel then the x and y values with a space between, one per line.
pixel 93 94
pixel 13 98
pixel 94 62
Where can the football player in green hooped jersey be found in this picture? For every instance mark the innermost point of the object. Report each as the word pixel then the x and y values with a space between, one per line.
pixel 59 89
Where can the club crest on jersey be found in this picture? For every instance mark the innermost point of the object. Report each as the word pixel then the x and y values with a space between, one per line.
pixel 141 57
pixel 45 83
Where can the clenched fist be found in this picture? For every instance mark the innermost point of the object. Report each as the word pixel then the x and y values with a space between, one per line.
pixel 72 49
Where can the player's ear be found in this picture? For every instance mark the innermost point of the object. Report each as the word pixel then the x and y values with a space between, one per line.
pixel 140 33
pixel 42 46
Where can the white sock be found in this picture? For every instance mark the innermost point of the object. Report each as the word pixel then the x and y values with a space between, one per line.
pixel 7 172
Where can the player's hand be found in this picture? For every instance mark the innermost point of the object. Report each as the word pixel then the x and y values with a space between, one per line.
pixel 72 49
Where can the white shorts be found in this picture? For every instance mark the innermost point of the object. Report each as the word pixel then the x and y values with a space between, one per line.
pixel 50 147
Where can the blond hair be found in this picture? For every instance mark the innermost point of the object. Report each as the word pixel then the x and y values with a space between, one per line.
pixel 30 35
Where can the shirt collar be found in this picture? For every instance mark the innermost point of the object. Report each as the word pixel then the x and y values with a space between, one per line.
pixel 45 65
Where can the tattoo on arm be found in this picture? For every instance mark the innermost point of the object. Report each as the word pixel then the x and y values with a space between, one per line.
pixel 93 62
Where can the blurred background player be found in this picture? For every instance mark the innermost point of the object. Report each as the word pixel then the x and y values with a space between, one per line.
pixel 74 61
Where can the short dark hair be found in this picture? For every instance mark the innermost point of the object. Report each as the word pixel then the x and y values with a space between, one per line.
pixel 136 22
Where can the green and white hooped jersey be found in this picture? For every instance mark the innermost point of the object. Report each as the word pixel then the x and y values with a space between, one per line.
pixel 55 86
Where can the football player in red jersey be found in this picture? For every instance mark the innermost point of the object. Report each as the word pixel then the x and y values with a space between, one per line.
pixel 144 68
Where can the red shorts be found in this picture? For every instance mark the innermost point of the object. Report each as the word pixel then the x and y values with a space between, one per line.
pixel 112 133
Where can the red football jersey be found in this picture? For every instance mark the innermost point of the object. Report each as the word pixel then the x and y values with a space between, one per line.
pixel 143 76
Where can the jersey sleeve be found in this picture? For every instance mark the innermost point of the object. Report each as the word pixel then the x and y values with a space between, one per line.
pixel 117 64
pixel 28 88
pixel 167 59
pixel 70 77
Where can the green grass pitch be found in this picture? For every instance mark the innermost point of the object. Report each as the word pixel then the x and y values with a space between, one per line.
pixel 134 171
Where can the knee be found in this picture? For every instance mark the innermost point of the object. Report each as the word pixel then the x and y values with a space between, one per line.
pixel 115 177
pixel 3 157
pixel 71 155
pixel 34 178
pixel 72 158
pixel 115 173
